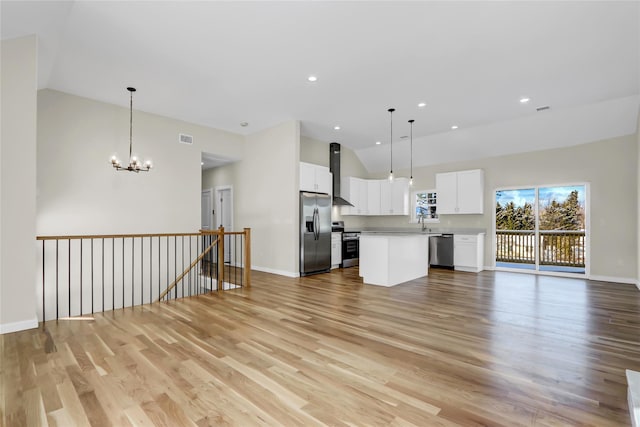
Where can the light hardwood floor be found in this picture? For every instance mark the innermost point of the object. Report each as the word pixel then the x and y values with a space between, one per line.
pixel 494 349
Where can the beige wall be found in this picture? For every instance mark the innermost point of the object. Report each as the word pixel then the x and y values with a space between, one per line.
pixel 638 199
pixel 610 167
pixel 18 185
pixel 265 188
pixel 80 193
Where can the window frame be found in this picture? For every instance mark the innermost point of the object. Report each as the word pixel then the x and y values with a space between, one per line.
pixel 413 218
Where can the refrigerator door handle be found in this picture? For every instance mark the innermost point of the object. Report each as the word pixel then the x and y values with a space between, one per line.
pixel 316 223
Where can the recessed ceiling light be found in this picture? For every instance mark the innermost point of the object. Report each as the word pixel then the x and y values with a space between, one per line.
pixel 201 163
pixel 524 100
pixel 336 128
pixel 454 127
pixel 422 104
pixel 244 124
pixel 378 142
pixel 312 79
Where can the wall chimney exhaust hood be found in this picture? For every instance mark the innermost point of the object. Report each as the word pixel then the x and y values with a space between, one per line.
pixel 334 167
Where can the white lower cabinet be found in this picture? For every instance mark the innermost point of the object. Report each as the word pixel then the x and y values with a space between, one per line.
pixel 468 252
pixel 336 249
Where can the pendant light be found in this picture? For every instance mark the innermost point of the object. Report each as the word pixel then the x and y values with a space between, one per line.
pixel 391 110
pixel 134 164
pixel 411 179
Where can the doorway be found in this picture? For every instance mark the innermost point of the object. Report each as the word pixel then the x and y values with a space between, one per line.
pixel 223 216
pixel 542 228
pixel 206 207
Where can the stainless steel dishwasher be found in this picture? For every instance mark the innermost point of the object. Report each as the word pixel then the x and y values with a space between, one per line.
pixel 441 251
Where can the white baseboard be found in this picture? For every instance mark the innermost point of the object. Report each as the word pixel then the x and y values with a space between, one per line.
pixel 7 328
pixel 626 280
pixel 274 271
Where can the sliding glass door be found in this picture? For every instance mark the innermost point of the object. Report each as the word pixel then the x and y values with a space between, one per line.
pixel 542 228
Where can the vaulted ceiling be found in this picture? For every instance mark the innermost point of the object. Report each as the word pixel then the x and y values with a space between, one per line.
pixel 220 64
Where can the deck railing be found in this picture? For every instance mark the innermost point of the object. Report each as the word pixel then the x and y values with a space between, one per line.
pixel 86 274
pixel 557 247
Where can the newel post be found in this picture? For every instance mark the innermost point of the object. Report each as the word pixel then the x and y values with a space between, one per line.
pixel 247 258
pixel 220 266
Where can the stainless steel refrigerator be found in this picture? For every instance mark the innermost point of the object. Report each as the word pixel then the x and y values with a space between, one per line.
pixel 315 233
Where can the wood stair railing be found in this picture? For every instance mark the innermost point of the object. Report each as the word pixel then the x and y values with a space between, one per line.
pixel 85 274
pixel 185 272
pixel 219 241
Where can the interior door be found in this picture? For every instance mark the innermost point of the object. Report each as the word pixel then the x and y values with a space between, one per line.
pixel 224 218
pixel 206 207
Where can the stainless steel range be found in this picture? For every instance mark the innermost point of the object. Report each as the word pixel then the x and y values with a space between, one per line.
pixel 350 245
pixel 350 248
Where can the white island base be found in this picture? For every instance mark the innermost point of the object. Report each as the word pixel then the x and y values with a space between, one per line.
pixel 390 259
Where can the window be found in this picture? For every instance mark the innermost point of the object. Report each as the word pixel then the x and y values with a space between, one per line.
pixel 424 204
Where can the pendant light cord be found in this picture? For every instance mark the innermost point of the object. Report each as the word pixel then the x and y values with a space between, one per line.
pixel 391 110
pixel 411 122
pixel 130 122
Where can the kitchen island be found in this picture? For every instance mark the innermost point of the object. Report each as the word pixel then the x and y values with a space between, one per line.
pixel 387 259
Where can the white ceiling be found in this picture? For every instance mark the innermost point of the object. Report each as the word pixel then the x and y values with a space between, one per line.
pixel 222 63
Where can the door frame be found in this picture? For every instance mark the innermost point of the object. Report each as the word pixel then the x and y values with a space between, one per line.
pixel 211 218
pixel 228 243
pixel 587 225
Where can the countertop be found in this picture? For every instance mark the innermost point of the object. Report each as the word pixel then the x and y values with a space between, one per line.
pixel 418 230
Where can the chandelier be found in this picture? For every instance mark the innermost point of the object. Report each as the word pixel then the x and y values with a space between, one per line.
pixel 134 164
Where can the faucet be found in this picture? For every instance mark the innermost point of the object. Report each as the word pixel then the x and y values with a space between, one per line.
pixel 421 220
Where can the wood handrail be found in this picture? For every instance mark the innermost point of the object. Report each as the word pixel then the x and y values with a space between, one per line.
pixel 113 236
pixel 217 231
pixel 128 236
pixel 184 273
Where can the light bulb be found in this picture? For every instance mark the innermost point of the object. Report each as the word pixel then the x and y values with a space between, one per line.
pixel 411 182
pixel 391 176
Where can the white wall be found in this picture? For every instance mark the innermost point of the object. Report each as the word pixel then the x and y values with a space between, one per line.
pixel 638 198
pixel 610 166
pixel 266 196
pixel 18 185
pixel 80 193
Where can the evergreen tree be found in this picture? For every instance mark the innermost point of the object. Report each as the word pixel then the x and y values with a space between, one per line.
pixel 572 213
pixel 551 216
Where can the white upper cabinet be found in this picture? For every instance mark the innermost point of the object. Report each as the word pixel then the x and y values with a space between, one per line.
pixel 460 192
pixel 315 178
pixel 373 197
pixel 356 191
pixel 394 197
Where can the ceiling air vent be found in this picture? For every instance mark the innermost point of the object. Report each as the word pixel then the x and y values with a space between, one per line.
pixel 185 139
pixel 543 108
